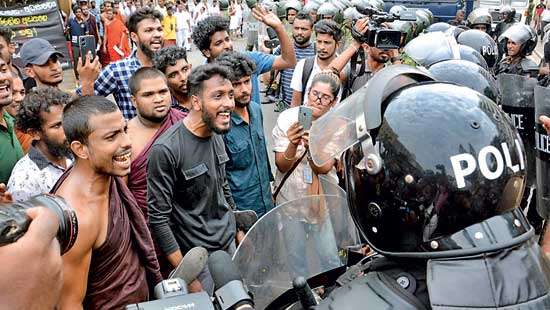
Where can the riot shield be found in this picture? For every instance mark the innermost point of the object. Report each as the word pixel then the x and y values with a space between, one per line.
pixel 542 143
pixel 517 100
pixel 303 237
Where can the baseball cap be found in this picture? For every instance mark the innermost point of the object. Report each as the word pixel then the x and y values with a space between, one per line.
pixel 37 51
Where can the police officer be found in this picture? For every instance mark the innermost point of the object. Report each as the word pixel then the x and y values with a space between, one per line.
pixel 480 19
pixel 481 42
pixel 508 19
pixel 434 175
pixel 520 41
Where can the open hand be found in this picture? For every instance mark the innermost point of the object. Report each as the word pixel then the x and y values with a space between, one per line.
pixel 266 17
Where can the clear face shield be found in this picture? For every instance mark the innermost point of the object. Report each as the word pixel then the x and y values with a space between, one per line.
pixel 349 123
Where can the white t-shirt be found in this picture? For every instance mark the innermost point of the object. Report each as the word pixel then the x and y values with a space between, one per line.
pixel 183 19
pixel 296 83
pixel 545 16
pixel 295 186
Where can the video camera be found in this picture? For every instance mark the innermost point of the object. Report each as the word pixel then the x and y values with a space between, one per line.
pixel 14 220
pixel 377 35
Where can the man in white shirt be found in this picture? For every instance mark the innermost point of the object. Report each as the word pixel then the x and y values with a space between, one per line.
pixel 183 20
pixel 214 8
pixel 328 34
pixel 40 115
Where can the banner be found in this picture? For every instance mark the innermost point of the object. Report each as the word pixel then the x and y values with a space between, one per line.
pixel 40 19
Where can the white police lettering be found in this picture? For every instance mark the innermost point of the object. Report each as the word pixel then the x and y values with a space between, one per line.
pixel 517 120
pixel 465 164
pixel 488 50
pixel 543 143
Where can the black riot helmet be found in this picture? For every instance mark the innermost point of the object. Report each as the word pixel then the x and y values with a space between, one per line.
pixel 466 73
pixel 480 18
pixel 469 54
pixel 521 34
pixel 481 42
pixel 432 47
pixel 432 169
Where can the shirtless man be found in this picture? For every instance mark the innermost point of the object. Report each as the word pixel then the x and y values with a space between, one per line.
pixel 112 228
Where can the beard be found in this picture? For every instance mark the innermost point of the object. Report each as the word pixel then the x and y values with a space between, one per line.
pixel 208 119
pixel 157 119
pixel 243 101
pixel 56 149
pixel 300 40
pixel 146 50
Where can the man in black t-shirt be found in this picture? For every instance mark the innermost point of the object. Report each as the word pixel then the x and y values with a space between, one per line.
pixel 188 193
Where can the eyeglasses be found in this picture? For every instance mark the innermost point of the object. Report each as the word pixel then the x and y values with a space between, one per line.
pixel 323 98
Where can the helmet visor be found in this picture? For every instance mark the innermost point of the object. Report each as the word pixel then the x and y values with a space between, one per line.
pixel 349 122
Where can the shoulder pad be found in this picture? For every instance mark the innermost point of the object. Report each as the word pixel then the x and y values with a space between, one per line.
pixel 528 65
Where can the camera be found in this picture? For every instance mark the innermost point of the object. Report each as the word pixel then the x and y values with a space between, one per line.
pixel 172 294
pixel 14 221
pixel 377 35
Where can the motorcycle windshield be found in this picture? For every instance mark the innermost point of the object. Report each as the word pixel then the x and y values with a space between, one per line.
pixel 302 237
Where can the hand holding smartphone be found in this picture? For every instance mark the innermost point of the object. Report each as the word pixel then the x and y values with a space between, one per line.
pixel 87 44
pixel 305 117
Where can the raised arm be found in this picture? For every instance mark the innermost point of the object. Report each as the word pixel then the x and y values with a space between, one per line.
pixel 287 59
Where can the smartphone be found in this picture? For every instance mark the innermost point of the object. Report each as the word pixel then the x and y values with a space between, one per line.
pixel 305 117
pixel 86 44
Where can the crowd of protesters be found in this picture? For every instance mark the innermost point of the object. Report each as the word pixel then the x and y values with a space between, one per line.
pixel 160 169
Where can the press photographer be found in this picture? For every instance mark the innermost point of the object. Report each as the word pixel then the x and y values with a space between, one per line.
pixel 365 60
pixel 31 268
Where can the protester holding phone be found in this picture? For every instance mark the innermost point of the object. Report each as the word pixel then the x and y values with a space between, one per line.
pixel 77 27
pixel 291 140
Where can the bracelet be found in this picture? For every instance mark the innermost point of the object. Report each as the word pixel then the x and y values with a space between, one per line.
pixel 288 159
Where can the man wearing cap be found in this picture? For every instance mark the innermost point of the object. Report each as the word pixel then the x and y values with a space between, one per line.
pixel 41 62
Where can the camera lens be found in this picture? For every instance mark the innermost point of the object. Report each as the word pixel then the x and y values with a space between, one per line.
pixel 68 223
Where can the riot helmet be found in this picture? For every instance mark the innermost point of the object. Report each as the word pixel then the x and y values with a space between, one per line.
pixel 341 5
pixel 422 20
pixel 432 169
pixel 441 27
pixel 481 42
pixel 469 54
pixel 521 34
pixel 433 47
pixel 508 13
pixel 455 31
pixel 224 5
pixel 293 4
pixel 480 18
pixel 310 7
pixel 396 10
pixel 327 10
pixel 406 28
pixel 466 73
pixel 366 7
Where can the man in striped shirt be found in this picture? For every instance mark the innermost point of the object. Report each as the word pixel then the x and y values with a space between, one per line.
pixel 301 33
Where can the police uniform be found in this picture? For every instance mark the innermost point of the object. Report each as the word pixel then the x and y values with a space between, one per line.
pixel 434 176
pixel 525 67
